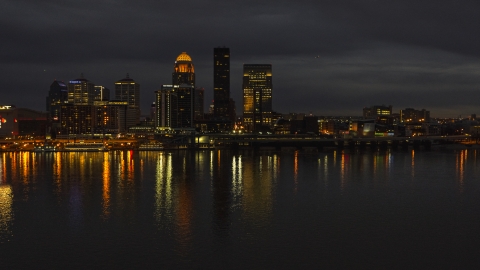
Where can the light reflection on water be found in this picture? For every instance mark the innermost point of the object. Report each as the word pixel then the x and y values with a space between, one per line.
pixel 180 201
pixel 6 213
pixel 163 190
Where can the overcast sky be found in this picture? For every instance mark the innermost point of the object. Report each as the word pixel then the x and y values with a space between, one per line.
pixel 328 57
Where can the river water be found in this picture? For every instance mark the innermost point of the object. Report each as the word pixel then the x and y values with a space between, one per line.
pixel 220 209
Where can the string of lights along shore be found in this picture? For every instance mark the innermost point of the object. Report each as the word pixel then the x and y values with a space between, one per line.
pixel 80 108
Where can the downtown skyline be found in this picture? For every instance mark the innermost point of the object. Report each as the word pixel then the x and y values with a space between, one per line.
pixel 336 57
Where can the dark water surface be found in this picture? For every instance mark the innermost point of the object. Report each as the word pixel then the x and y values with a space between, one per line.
pixel 240 210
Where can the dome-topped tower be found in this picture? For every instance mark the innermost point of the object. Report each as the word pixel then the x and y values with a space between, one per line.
pixel 183 70
pixel 184 57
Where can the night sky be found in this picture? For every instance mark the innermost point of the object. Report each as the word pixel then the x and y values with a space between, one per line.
pixel 328 57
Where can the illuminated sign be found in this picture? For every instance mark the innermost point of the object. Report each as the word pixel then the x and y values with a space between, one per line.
pixel 76 82
pixel 5 107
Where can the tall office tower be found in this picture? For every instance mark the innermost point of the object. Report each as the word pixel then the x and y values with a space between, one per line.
pixel 153 111
pixel 101 93
pixel 183 71
pixel 57 96
pixel 199 101
pixel 81 91
pixel 221 83
pixel 166 107
pixel 186 105
pixel 257 96
pixel 128 90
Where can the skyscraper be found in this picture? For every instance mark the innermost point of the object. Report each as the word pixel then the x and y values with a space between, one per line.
pixel 199 101
pixel 257 96
pixel 128 90
pixel 166 107
pixel 57 96
pixel 186 106
pixel 101 93
pixel 81 91
pixel 183 70
pixel 221 83
pixel 183 79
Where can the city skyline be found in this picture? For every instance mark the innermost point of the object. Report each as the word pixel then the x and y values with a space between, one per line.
pixel 336 57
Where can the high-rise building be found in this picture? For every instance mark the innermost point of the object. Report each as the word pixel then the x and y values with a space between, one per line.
pixel 183 70
pixel 57 96
pixel 221 83
pixel 199 101
pixel 81 91
pixel 128 90
pixel 105 117
pixel 166 107
pixel 110 117
pixel 174 107
pixel 77 119
pixel 257 96
pixel 101 93
pixel 185 105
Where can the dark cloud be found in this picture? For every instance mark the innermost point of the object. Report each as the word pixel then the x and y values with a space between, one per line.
pixel 328 57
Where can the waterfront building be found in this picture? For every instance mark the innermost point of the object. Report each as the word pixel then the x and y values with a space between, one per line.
pixel 128 90
pixel 21 122
pixel 328 126
pixel 81 91
pixel 57 95
pixel 257 97
pixel 111 117
pixel 199 101
pixel 76 119
pixel 166 107
pixel 153 111
pixel 221 83
pixel 103 117
pixel 183 70
pixel 185 105
pixel 410 115
pixel 375 111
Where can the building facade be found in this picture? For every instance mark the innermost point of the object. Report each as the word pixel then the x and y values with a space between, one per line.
pixel 257 97
pixel 183 70
pixel 166 107
pixel 21 123
pixel 101 93
pixel 81 91
pixel 185 106
pixel 57 95
pixel 199 103
pixel 127 90
pixel 410 115
pixel 221 83
pixel 376 111
pixel 104 117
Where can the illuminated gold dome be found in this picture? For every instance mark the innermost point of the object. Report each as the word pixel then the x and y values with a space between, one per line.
pixel 184 57
pixel 184 64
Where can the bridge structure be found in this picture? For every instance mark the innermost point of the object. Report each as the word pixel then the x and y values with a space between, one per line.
pixel 254 141
pixel 308 142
